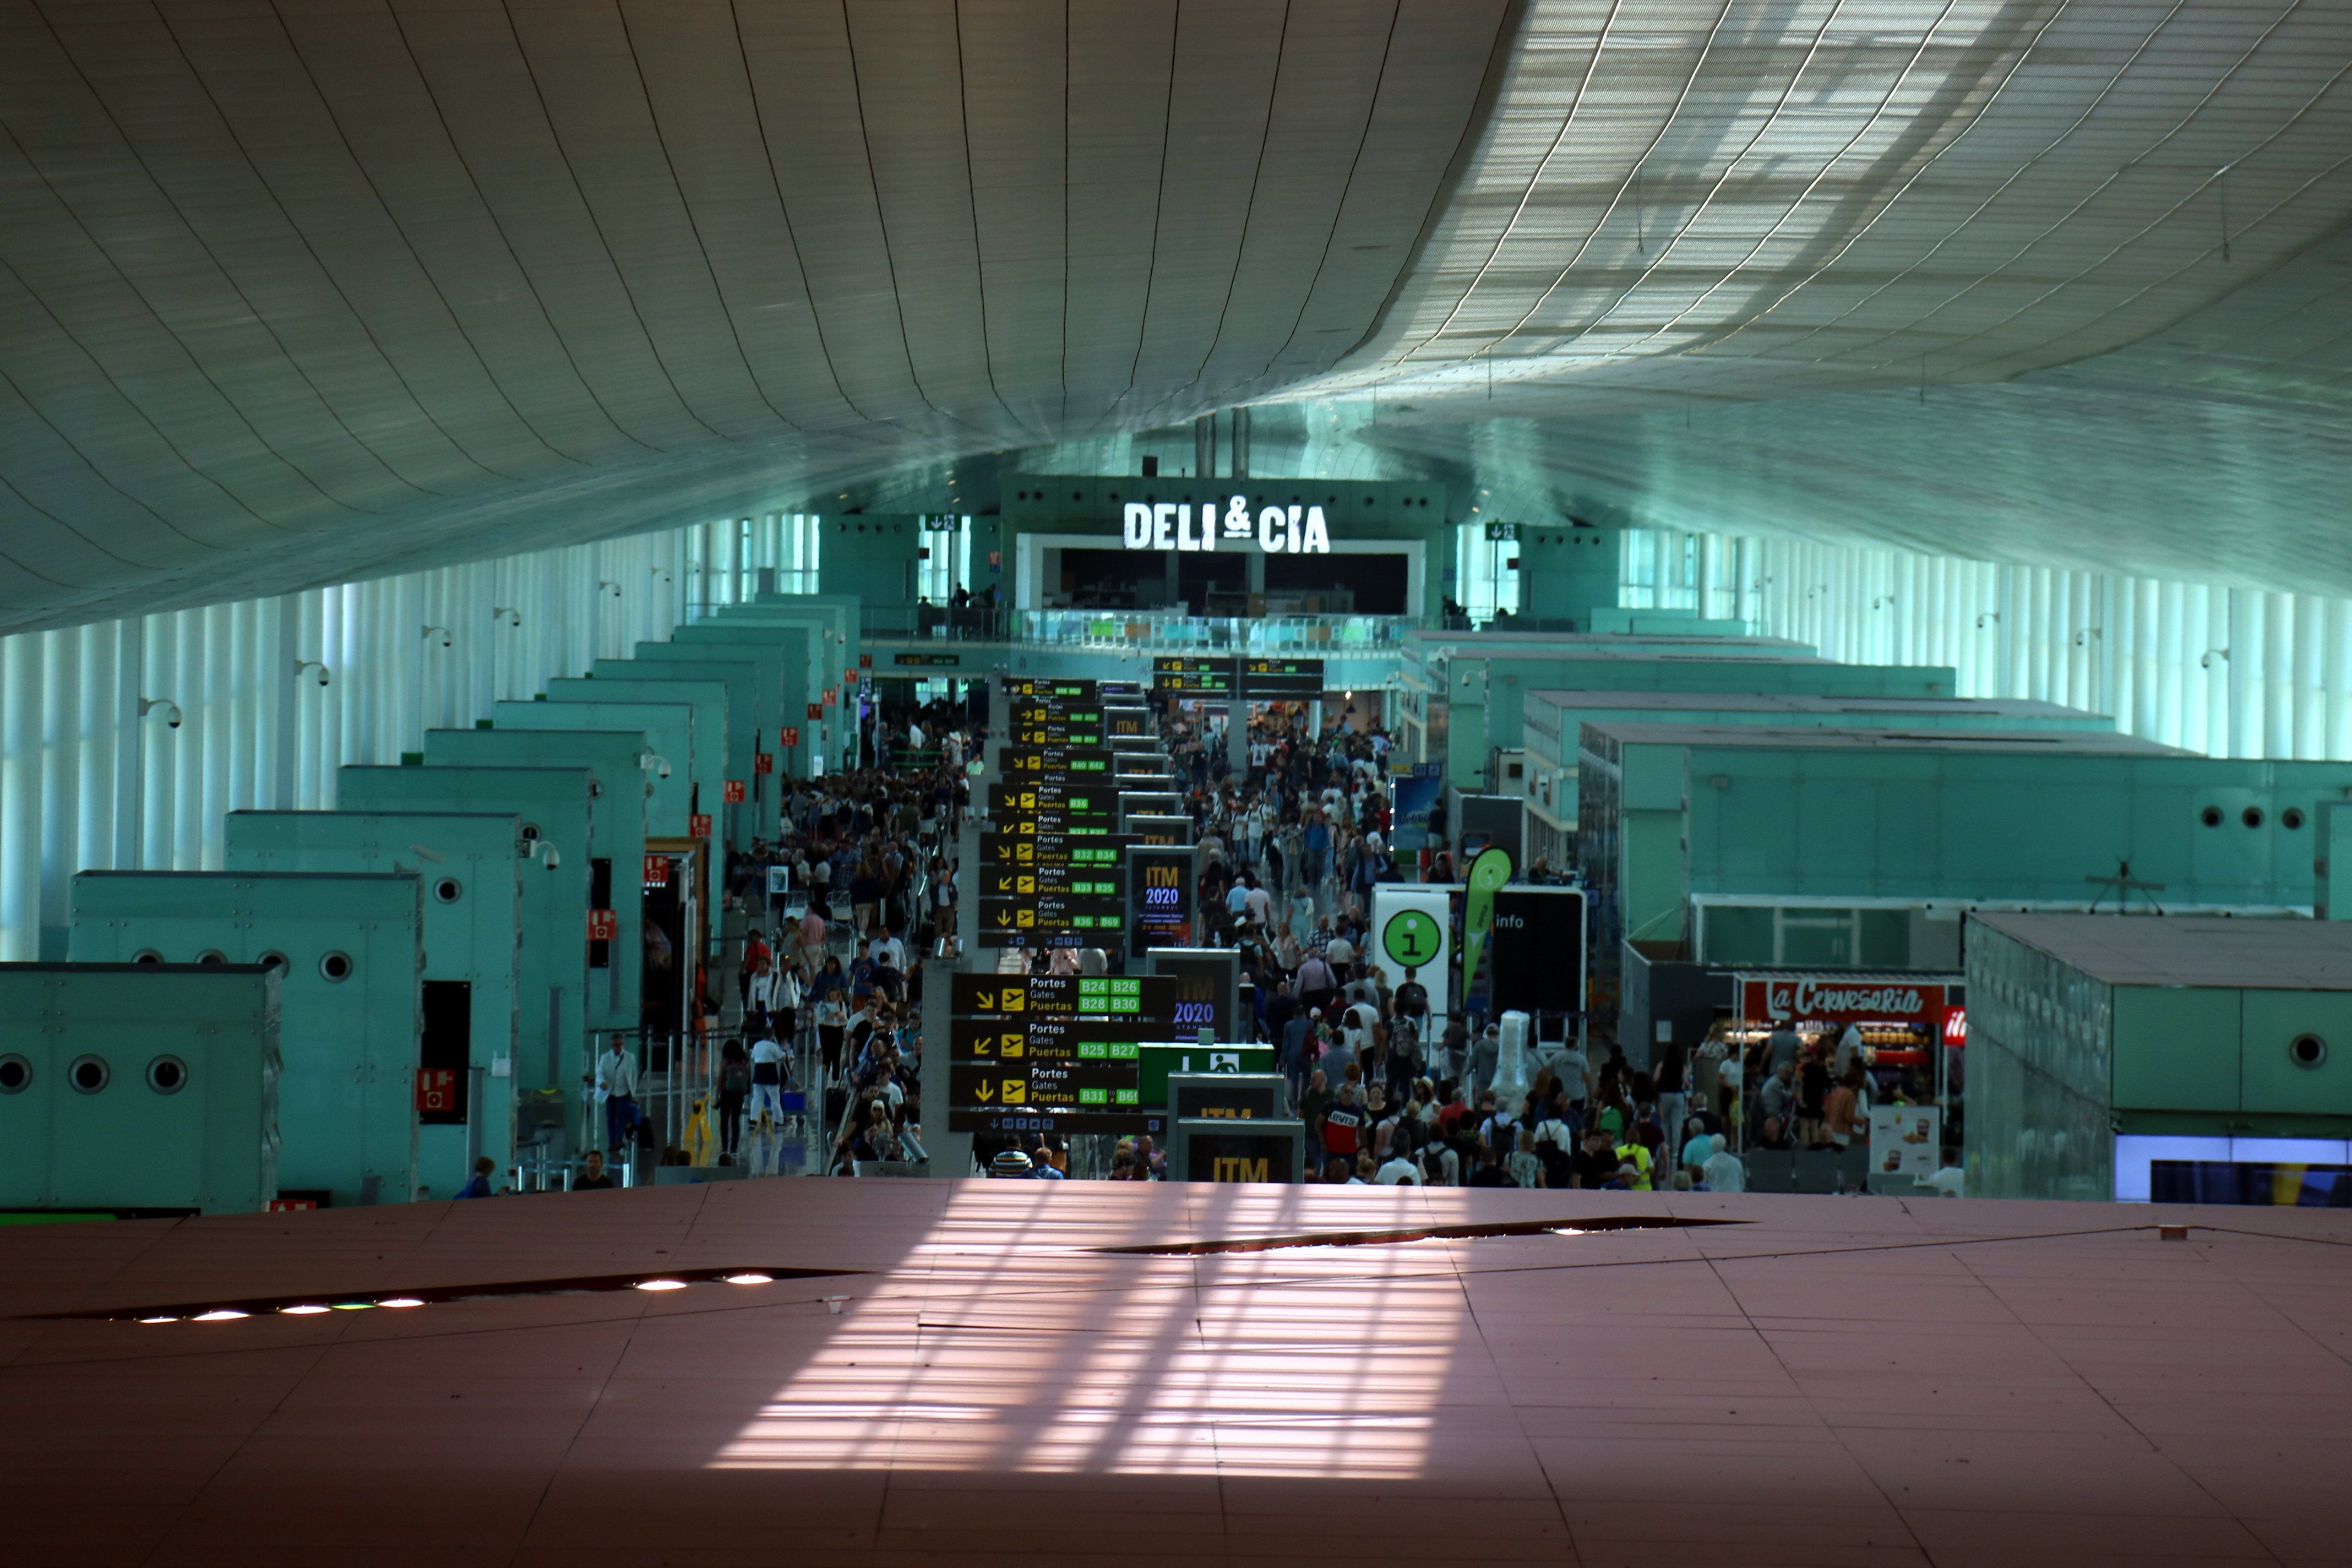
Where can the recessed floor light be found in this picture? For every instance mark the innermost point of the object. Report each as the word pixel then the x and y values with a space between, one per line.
pixel 312 1302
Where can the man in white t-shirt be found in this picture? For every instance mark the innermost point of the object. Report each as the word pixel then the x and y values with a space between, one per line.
pixel 766 1083
pixel 1398 1170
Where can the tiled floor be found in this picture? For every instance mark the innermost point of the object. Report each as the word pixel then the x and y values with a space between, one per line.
pixel 1830 1380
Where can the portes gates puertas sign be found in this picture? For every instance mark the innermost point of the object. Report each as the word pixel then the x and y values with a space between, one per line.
pixel 1841 999
pixel 1179 525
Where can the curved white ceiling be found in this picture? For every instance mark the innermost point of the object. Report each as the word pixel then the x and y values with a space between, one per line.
pixel 293 293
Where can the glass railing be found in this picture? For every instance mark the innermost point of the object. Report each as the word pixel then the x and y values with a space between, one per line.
pixel 1164 631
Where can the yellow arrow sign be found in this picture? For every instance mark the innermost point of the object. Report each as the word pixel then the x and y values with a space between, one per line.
pixel 983 1000
pixel 1002 918
pixel 986 1092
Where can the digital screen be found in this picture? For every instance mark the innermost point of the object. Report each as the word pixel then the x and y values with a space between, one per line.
pixel 1205 990
pixel 1258 1096
pixel 1064 1047
pixel 1281 677
pixel 1193 676
pixel 1160 897
pixel 928 660
pixel 1225 1150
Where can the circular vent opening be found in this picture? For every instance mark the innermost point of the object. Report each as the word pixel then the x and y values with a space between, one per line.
pixel 2210 817
pixel 2291 818
pixel 336 966
pixel 211 955
pixel 88 1073
pixel 276 962
pixel 2306 1051
pixel 2252 816
pixel 167 1075
pixel 448 889
pixel 16 1074
pixel 146 955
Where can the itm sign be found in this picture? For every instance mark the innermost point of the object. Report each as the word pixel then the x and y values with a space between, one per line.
pixel 1179 525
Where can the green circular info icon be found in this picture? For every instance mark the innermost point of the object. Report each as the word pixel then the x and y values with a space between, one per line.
pixel 1412 938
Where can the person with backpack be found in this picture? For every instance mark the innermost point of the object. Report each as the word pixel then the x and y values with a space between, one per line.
pixel 734 1089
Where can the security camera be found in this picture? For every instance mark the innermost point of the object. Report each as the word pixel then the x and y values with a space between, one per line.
pixel 304 666
pixel 171 709
pixel 173 720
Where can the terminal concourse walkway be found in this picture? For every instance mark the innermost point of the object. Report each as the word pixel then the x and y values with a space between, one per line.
pixel 1042 1372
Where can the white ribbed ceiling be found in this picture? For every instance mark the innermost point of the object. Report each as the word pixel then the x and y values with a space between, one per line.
pixel 298 292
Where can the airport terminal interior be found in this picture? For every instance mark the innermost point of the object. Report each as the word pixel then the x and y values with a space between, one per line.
pixel 1642 707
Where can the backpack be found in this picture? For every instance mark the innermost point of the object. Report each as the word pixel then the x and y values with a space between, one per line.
pixel 734 1077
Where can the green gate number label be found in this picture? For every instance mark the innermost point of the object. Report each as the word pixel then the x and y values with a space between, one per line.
pixel 1412 938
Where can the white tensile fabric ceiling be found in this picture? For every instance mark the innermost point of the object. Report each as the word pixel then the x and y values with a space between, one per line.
pixel 292 292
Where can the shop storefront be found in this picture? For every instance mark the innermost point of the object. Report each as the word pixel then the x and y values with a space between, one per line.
pixel 1222 547
pixel 1909 1027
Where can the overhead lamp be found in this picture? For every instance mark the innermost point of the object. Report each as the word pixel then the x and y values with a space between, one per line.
pixel 402 1302
pixel 661 1285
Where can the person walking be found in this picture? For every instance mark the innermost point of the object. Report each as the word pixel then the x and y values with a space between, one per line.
pixel 734 1089
pixel 615 1082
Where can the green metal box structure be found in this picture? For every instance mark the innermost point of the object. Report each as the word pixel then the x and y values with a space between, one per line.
pixel 706 777
pixel 2104 1049
pixel 738 750
pixel 351 946
pixel 1830 847
pixel 552 806
pixel 1461 703
pixel 472 869
pixel 1553 722
pixel 138 1086
pixel 618 763
pixel 668 730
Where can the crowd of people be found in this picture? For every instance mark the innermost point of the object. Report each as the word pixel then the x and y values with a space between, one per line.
pixel 847 905
pixel 856 891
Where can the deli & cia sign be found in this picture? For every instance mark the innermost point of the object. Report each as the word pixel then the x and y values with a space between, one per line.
pixel 1179 525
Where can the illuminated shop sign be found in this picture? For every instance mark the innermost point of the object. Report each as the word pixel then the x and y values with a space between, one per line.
pixel 1274 529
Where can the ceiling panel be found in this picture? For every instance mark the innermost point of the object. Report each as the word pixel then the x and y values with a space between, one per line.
pixel 294 293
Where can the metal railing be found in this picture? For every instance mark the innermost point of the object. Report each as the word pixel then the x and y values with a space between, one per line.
pixel 1167 631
